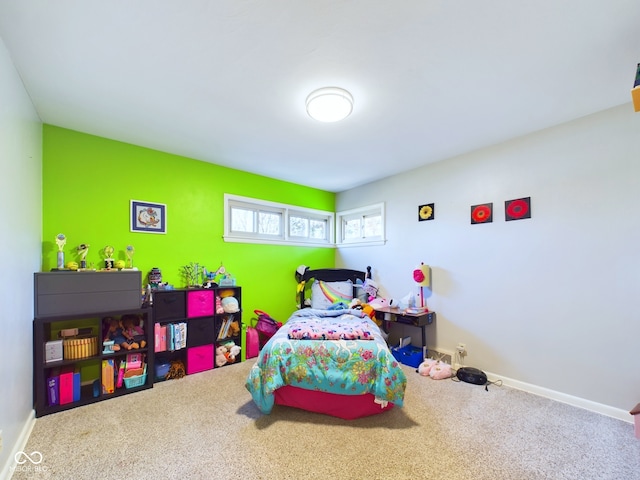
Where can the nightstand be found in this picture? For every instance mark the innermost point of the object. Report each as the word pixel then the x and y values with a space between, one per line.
pixel 389 315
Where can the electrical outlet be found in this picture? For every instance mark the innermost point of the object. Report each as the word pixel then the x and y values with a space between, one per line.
pixel 461 352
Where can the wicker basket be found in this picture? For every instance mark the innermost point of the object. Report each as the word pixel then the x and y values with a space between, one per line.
pixel 137 381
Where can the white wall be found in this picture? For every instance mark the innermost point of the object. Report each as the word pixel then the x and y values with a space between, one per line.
pixel 20 251
pixel 549 301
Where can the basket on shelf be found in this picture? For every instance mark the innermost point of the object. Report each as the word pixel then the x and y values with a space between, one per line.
pixel 135 380
pixel 79 347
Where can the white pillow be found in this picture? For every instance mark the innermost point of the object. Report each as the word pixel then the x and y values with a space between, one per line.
pixel 325 294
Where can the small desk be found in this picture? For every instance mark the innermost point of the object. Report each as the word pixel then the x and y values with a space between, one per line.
pixel 421 320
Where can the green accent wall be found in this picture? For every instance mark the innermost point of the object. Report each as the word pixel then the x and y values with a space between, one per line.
pixel 88 182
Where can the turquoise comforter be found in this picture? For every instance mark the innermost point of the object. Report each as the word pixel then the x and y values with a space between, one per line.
pixel 347 367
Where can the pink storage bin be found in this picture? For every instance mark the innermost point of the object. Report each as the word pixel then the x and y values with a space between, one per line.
pixel 199 359
pixel 200 303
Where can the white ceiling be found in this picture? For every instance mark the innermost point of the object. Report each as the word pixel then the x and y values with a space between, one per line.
pixel 225 81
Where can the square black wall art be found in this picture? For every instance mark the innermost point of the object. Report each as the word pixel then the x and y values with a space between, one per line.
pixel 517 209
pixel 482 213
pixel 426 212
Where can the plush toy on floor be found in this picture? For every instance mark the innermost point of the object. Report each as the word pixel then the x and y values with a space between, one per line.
pixel 440 370
pixel 435 369
pixel 425 367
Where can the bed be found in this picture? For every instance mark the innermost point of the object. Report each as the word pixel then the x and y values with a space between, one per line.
pixel 328 358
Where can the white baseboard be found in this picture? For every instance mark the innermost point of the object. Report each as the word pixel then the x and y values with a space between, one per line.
pixel 600 408
pixel 10 464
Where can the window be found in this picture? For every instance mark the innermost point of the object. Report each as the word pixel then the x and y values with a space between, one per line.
pixel 363 225
pixel 258 221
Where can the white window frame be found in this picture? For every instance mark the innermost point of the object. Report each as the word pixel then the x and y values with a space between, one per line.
pixel 286 211
pixel 361 213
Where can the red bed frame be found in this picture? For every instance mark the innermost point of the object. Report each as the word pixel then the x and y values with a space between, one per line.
pixel 347 407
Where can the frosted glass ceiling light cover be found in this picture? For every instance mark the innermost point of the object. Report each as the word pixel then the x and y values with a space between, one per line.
pixel 329 104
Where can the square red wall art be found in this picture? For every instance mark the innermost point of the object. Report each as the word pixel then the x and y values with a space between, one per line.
pixel 517 209
pixel 482 213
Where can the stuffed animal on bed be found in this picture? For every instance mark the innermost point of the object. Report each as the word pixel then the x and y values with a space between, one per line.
pixel 379 303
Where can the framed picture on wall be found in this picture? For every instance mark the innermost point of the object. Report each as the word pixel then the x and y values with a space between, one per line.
pixel 148 217
pixel 426 212
pixel 482 213
pixel 517 209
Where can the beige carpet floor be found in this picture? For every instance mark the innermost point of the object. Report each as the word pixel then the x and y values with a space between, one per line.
pixel 206 426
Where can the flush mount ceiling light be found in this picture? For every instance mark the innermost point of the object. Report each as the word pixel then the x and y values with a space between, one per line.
pixel 329 104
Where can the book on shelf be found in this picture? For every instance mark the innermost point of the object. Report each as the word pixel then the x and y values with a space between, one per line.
pixel 224 327
pixel 77 386
pixel 221 331
pixel 121 369
pixel 160 337
pixel 134 360
pixel 108 372
pixel 177 336
pixel 180 335
pixel 66 386
pixel 53 390
pixel 183 334
pixel 170 337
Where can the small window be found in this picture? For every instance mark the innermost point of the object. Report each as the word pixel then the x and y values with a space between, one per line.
pixel 254 221
pixel 363 225
pixel 258 221
pixel 310 227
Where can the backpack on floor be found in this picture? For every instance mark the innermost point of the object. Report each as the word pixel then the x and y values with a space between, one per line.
pixel 253 342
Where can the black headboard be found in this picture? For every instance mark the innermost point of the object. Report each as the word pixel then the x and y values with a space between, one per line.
pixel 331 275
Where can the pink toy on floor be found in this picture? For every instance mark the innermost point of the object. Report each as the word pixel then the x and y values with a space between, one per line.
pixel 440 370
pixel 434 369
pixel 425 367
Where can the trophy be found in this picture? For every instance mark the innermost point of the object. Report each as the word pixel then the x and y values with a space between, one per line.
pixel 130 251
pixel 61 240
pixel 108 261
pixel 83 249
